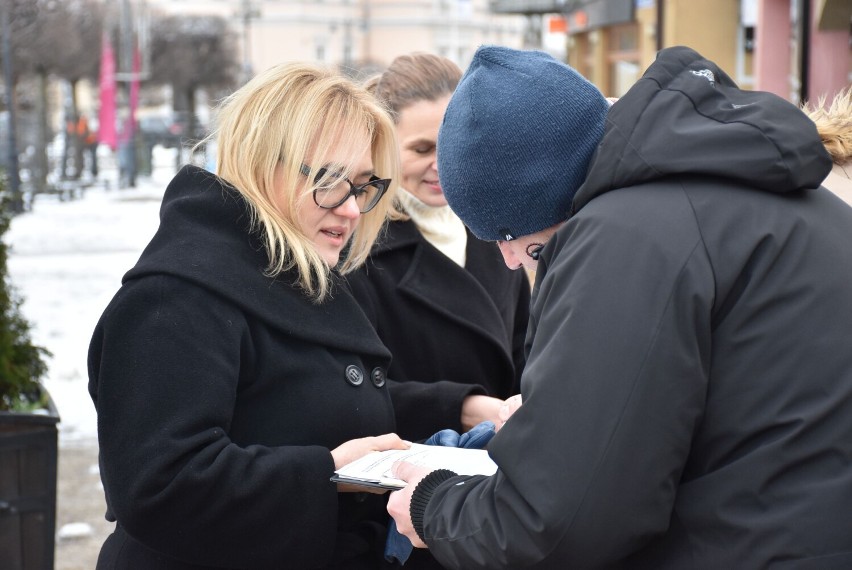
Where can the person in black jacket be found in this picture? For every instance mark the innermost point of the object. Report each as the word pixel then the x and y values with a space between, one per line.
pixel 451 313
pixel 687 396
pixel 233 372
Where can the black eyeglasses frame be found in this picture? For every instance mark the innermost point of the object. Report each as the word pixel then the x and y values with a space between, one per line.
pixel 382 184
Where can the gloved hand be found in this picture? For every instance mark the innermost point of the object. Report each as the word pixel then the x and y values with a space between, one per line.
pixel 477 438
pixel 397 547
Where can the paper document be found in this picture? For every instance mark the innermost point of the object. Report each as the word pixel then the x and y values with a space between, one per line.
pixel 374 469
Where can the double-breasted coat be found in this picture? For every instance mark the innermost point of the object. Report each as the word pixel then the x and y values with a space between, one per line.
pixel 220 392
pixel 452 330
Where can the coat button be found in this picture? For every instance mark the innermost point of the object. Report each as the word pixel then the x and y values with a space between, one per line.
pixel 378 376
pixel 354 375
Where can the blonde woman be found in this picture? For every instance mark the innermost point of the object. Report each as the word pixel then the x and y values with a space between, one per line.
pixel 834 124
pixel 232 373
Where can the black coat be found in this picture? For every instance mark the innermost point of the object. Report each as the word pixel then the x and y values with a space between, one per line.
pixel 220 392
pixel 688 392
pixel 452 331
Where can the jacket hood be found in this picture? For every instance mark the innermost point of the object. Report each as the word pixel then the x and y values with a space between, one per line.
pixel 205 238
pixel 685 116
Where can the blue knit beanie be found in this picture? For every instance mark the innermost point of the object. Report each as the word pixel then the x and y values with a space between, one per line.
pixel 516 142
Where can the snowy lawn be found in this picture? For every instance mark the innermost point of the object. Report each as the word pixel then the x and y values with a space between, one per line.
pixel 66 261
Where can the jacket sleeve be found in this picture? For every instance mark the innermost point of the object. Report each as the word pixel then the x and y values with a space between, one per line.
pixel 614 388
pixel 423 408
pixel 165 367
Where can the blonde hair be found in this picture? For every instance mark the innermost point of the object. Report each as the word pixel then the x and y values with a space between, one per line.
pixel 275 120
pixel 409 79
pixel 834 124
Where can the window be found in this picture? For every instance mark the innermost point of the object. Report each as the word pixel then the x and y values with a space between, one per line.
pixel 622 59
pixel 748 42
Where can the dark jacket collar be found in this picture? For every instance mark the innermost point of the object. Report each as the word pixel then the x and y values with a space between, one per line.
pixel 204 238
pixel 462 294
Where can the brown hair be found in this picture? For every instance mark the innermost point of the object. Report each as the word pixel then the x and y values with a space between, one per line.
pixel 414 77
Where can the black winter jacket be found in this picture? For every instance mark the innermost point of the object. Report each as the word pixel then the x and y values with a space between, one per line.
pixel 688 393
pixel 219 394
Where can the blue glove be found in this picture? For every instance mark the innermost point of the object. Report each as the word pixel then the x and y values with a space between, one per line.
pixel 477 438
pixel 397 547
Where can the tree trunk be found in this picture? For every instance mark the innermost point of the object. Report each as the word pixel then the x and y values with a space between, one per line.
pixel 78 136
pixel 191 127
pixel 40 164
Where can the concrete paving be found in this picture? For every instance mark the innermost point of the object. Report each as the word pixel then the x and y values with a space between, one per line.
pixel 80 524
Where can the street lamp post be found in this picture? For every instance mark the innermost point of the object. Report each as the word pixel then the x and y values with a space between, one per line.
pixel 247 13
pixel 804 49
pixel 17 203
pixel 127 146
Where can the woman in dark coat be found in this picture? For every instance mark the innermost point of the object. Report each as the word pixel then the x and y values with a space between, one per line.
pixel 233 372
pixel 444 303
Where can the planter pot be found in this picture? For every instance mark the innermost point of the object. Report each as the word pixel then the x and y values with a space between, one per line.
pixel 28 462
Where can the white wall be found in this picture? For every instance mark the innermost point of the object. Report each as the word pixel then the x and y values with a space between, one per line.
pixel 340 31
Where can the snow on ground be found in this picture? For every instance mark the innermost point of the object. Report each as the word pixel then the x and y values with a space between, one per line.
pixel 66 262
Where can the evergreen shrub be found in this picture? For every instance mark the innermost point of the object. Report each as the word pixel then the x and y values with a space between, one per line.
pixel 22 364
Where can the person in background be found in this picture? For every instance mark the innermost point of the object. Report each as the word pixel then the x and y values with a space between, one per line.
pixel 233 371
pixel 834 124
pixel 687 395
pixel 453 316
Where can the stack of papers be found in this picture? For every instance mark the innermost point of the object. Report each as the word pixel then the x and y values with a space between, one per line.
pixel 374 469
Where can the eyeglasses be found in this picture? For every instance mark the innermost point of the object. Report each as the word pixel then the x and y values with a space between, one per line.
pixel 330 191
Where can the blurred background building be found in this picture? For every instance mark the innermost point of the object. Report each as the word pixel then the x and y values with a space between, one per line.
pixel 151 70
pixel 356 34
pixel 798 49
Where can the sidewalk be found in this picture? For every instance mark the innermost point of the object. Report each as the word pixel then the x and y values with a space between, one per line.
pixel 79 500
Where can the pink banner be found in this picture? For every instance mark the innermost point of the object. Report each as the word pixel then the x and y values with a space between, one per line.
pixel 106 114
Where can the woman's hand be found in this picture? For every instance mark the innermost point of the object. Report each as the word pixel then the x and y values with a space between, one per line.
pixel 509 407
pixel 354 449
pixel 478 408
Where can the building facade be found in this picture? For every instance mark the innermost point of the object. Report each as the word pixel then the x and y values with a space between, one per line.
pixel 762 44
pixel 817 62
pixel 356 34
